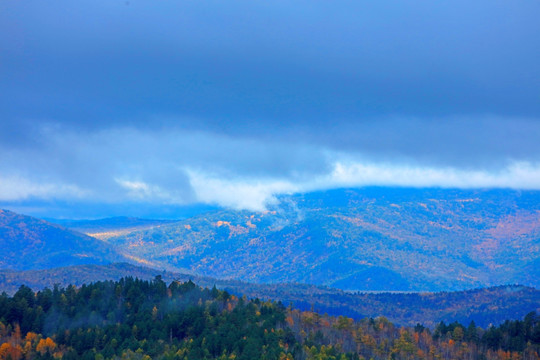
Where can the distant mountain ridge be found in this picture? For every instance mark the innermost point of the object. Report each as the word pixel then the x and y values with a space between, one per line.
pixel 484 306
pixel 31 243
pixel 360 239
pixel 380 239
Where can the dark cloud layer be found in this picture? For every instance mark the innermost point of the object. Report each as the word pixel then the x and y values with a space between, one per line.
pixel 97 61
pixel 107 97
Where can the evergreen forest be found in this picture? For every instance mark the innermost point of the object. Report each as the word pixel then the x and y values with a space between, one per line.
pixel 141 319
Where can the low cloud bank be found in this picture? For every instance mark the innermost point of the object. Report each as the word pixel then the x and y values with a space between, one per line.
pixel 184 167
pixel 257 194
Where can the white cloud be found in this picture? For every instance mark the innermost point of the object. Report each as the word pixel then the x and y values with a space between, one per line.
pixel 13 188
pixel 176 167
pixel 142 191
pixel 518 175
pixel 139 189
pixel 257 194
pixel 245 194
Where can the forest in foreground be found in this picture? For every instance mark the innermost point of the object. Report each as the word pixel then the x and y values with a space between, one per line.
pixel 140 319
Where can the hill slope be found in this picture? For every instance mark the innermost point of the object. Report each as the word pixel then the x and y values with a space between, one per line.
pixel 362 239
pixel 137 319
pixel 484 306
pixel 30 243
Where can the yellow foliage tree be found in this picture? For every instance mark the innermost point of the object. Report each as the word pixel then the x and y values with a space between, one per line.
pixel 46 346
pixel 8 351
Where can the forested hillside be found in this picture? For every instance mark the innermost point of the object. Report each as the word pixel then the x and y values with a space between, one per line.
pixel 484 306
pixel 379 239
pixel 31 243
pixel 135 319
pixel 360 239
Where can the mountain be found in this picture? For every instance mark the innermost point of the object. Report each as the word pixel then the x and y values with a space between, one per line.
pixel 359 239
pixel 376 239
pixel 484 306
pixel 30 243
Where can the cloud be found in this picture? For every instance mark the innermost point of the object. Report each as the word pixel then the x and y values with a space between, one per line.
pixel 257 195
pixel 95 62
pixel 183 167
pixel 13 188
pixel 239 194
pixel 128 164
pixel 518 175
pixel 143 191
pixel 178 102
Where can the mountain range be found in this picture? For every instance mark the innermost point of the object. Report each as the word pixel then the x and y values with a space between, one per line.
pixel 315 250
pixel 377 239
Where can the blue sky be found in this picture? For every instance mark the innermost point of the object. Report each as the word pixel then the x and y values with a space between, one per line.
pixel 166 104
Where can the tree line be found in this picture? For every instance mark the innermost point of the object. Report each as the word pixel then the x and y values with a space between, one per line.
pixel 144 320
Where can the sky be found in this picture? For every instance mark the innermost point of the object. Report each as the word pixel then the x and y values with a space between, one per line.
pixel 149 108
